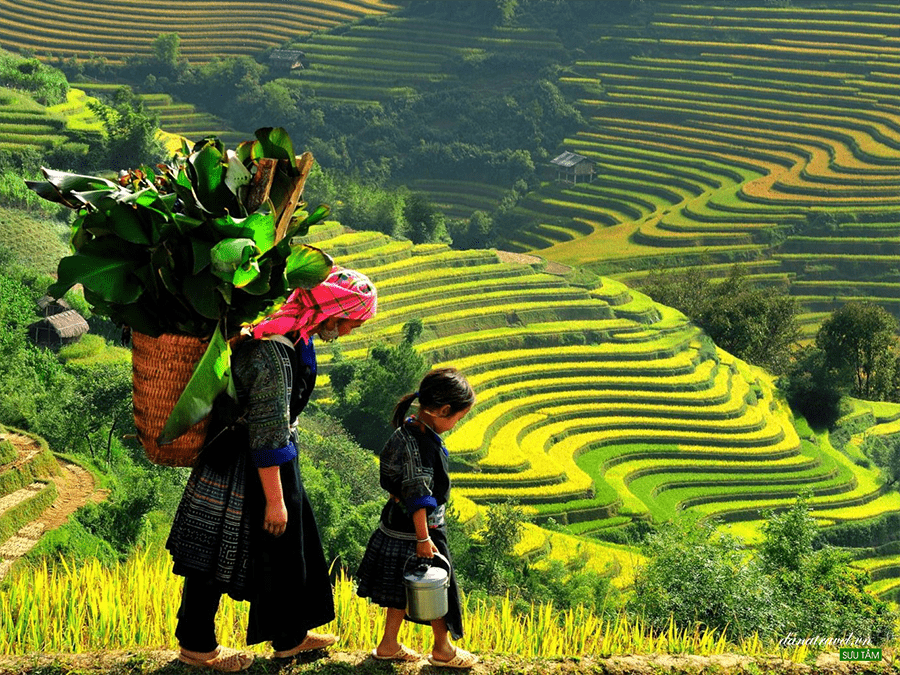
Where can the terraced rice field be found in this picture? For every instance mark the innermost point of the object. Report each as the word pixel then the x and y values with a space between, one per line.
pixel 598 408
pixel 75 110
pixel 724 135
pixel 183 119
pixel 25 123
pixel 395 56
pixel 117 30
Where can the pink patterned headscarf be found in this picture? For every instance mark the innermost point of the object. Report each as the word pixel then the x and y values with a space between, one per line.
pixel 345 294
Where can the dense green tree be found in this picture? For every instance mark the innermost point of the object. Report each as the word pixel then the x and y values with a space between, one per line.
pixel 477 231
pixel 755 324
pixel 167 49
pixel 817 590
pixel 375 384
pixel 694 574
pixel 860 340
pixel 813 386
pixel 105 396
pixel 885 452
pixel 424 222
pixel 131 139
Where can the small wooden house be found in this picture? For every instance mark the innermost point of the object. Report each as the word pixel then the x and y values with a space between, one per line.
pixel 573 168
pixel 57 330
pixel 286 59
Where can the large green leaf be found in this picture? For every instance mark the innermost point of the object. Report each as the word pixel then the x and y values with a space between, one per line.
pixel 92 197
pixel 68 183
pixel 276 144
pixel 200 250
pixel 246 275
pixel 212 376
pixel 124 222
pixel 149 201
pixel 307 266
pixel 102 268
pixel 200 291
pixel 208 177
pixel 249 151
pixel 262 282
pixel 237 175
pixel 301 221
pixel 258 226
pixel 232 256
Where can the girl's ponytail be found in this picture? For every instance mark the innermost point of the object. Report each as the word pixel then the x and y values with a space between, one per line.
pixel 402 408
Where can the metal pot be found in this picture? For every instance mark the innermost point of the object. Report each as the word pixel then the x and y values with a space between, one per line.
pixel 426 588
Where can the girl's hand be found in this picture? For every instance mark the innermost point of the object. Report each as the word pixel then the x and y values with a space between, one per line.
pixel 275 522
pixel 426 549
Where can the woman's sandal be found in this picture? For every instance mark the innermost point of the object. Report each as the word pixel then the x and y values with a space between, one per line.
pixel 223 659
pixel 461 659
pixel 402 654
pixel 311 642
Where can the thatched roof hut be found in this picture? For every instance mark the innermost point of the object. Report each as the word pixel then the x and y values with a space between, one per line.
pixel 58 329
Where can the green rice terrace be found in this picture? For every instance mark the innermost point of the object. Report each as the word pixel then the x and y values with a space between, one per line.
pixel 762 134
pixel 25 123
pixel 116 30
pixel 766 136
pixel 597 408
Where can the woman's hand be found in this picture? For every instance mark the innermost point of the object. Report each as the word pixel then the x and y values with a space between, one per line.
pixel 426 549
pixel 275 522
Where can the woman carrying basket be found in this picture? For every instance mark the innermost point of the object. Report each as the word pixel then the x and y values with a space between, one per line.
pixel 244 525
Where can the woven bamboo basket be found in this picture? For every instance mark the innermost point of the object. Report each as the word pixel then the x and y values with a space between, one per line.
pixel 161 368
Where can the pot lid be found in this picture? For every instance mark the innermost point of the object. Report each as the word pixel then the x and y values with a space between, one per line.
pixel 426 576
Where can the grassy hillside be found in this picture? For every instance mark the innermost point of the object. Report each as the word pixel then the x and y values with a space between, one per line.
pixel 33 239
pixel 374 62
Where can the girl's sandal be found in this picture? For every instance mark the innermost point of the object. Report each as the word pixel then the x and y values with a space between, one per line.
pixel 224 660
pixel 461 659
pixel 402 654
pixel 311 642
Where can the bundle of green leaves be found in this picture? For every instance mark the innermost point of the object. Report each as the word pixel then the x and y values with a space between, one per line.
pixel 201 247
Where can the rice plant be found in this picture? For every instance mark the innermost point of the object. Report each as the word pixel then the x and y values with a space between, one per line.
pixel 88 607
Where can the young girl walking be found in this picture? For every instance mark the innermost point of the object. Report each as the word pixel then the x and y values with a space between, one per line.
pixel 414 471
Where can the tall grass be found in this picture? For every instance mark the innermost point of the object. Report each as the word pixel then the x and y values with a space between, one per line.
pixel 89 607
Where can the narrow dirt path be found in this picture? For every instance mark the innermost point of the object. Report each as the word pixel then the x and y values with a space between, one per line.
pixel 75 487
